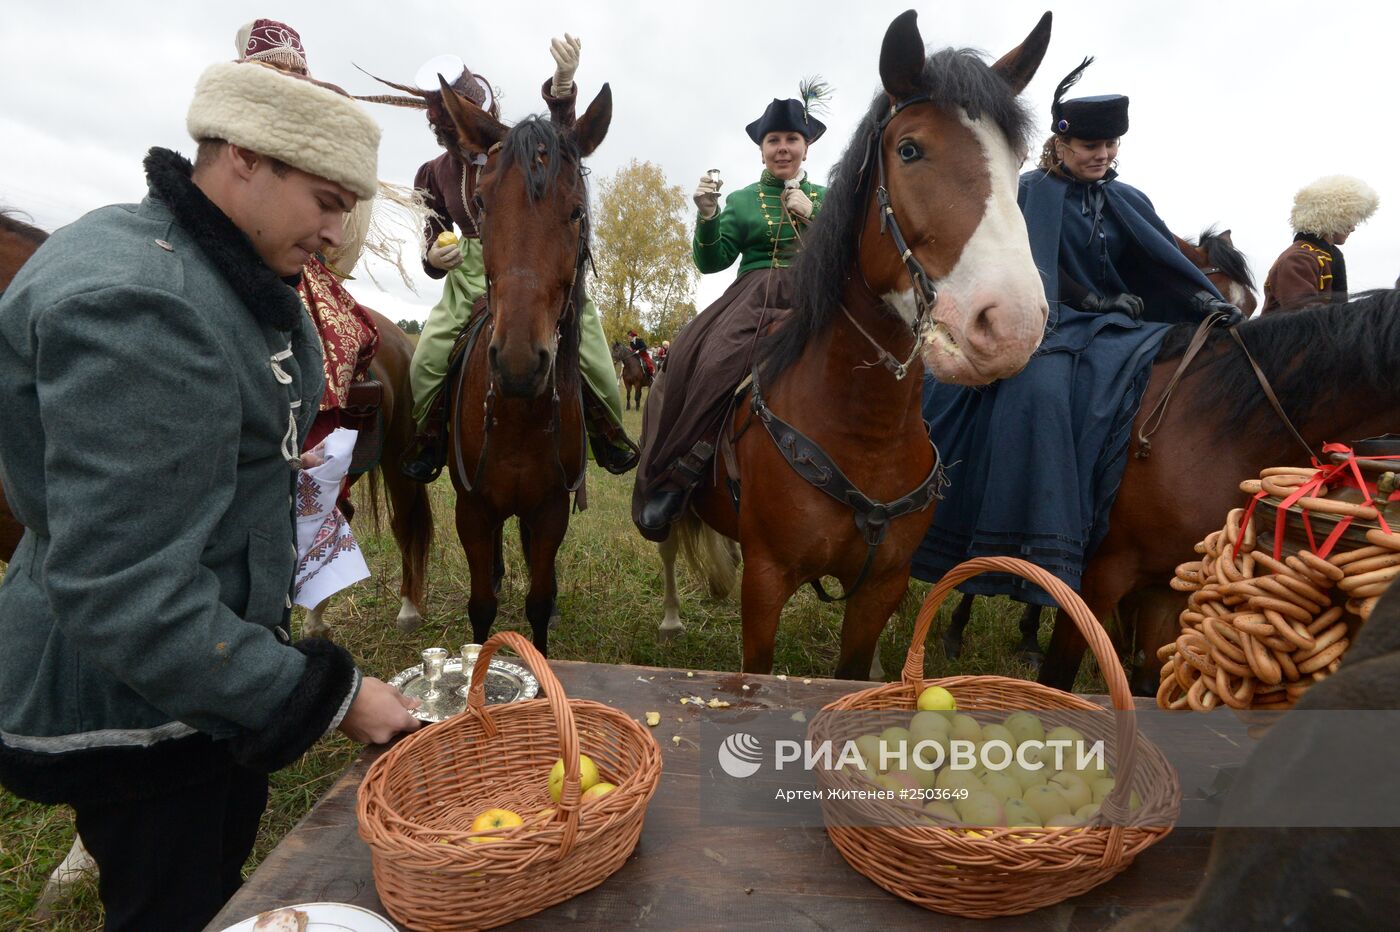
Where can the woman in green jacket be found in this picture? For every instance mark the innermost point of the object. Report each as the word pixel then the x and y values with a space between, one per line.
pixel 761 226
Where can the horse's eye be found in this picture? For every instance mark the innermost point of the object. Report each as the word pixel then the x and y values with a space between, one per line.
pixel 909 152
pixel 576 215
pixel 478 202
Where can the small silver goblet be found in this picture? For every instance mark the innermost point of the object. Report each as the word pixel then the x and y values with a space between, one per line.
pixel 433 660
pixel 469 654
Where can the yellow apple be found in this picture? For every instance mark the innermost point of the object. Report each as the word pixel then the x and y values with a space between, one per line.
pixel 1019 814
pixel 587 776
pixel 965 728
pixel 942 810
pixel 493 819
pixel 1047 801
pixel 868 746
pixel 1101 788
pixel 894 747
pixel 1025 727
pixel 597 790
pixel 980 808
pixel 953 780
pixel 1002 785
pixel 1026 777
pixel 1086 812
pixel 1075 791
pixel 1062 820
pixel 445 238
pixel 936 699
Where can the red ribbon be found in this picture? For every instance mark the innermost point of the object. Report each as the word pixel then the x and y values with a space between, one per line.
pixel 1345 473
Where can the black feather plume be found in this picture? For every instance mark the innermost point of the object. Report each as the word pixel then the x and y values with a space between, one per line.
pixel 1070 80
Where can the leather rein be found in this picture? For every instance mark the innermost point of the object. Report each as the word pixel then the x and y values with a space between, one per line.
pixel 805 456
pixel 574 485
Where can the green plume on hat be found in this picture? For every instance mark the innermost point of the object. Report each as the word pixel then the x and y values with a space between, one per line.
pixel 814 92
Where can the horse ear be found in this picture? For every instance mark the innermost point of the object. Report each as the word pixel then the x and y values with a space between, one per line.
pixel 477 130
pixel 902 57
pixel 1225 236
pixel 592 127
pixel 1019 65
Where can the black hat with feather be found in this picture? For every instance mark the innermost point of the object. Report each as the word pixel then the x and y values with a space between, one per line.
pixel 794 115
pixel 1101 117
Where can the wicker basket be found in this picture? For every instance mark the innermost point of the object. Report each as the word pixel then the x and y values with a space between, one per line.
pixel 1002 871
pixel 418 801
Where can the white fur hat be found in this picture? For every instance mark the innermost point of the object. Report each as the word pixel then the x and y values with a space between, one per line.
pixel 309 125
pixel 1331 205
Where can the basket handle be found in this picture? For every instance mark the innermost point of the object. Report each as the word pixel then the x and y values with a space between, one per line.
pixel 558 706
pixel 1116 803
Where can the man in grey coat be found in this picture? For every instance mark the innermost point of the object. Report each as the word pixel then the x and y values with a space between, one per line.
pixel 158 371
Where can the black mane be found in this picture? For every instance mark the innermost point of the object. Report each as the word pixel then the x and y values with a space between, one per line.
pixel 1229 260
pixel 10 223
pixel 1314 357
pixel 951 78
pixel 537 147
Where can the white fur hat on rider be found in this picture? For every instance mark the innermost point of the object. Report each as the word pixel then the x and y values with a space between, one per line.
pixel 1333 205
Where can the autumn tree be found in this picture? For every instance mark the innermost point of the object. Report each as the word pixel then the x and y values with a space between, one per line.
pixel 645 277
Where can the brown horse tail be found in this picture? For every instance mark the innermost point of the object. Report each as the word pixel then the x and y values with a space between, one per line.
pixel 709 553
pixel 373 479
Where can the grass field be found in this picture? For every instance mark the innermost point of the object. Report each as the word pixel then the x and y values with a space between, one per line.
pixel 611 605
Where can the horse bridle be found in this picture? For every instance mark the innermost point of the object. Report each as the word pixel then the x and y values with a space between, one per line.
pixel 925 293
pixel 582 256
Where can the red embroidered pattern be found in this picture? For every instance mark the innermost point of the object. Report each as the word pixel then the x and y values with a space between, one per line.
pixel 349 337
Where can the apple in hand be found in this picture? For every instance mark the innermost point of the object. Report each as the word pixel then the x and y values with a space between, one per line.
pixel 587 776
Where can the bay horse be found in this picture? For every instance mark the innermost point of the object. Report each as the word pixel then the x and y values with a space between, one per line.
pixel 516 417
pixel 635 376
pixel 932 165
pixel 1336 372
pixel 1216 255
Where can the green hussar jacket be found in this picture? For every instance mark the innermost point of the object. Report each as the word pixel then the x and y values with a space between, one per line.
pixel 752 227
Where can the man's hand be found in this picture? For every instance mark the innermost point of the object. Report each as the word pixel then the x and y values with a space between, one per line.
pixel 446 257
pixel 378 713
pixel 566 54
pixel 797 203
pixel 706 196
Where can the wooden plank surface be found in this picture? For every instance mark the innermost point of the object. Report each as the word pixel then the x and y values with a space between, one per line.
pixel 683 875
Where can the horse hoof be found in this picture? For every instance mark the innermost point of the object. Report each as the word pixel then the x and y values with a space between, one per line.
pixel 409 619
pixel 670 630
pixel 553 619
pixel 1033 659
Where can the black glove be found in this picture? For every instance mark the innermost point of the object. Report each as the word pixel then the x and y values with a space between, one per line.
pixel 1129 304
pixel 1210 304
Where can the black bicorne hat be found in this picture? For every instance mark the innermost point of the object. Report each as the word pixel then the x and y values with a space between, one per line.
pixel 786 116
pixel 1101 117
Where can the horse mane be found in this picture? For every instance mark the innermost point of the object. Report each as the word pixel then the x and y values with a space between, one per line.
pixel 537 147
pixel 1313 356
pixel 1229 260
pixel 951 78
pixel 10 223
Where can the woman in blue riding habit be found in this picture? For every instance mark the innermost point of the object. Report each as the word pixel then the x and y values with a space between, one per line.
pixel 1115 281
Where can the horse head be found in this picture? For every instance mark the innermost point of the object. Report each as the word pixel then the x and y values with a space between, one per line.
pixel 533 215
pixel 1226 267
pixel 951 137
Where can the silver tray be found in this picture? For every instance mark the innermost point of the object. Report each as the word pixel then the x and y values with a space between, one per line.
pixel 505 682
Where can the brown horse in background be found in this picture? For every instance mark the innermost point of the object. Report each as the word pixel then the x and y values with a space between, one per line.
pixel 1227 269
pixel 933 164
pixel 517 417
pixel 18 241
pixel 635 376
pixel 409 506
pixel 1334 369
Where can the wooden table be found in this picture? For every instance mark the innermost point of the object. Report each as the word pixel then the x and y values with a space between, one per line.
pixel 684 876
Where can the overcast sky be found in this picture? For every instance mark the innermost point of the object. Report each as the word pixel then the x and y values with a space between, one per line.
pixel 1234 105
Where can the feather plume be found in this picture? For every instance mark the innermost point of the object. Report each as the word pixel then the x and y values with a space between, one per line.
pixel 413 103
pixel 418 92
pixel 815 92
pixel 1070 80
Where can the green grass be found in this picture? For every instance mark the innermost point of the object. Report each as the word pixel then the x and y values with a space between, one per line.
pixel 610 599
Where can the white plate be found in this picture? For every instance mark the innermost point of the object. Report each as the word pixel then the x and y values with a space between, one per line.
pixel 331 917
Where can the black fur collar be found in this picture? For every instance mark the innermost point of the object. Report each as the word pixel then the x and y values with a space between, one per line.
pixel 267 295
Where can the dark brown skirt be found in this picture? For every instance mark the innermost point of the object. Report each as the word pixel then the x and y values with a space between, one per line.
pixel 707 361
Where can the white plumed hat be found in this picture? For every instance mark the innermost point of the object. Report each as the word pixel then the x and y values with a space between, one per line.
pixel 1332 205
